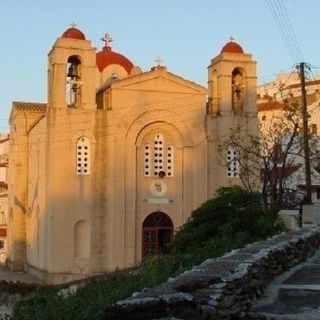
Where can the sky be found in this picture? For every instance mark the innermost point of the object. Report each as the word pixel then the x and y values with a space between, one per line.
pixel 187 34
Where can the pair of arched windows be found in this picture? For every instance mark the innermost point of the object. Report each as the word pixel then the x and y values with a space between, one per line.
pixel 158 157
pixel 83 156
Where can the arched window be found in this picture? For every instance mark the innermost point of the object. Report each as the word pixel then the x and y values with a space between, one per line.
pixel 233 163
pixel 82 239
pixel 158 157
pixel 83 156
pixel 73 81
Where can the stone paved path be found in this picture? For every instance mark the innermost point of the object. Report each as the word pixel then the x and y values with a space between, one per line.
pixel 295 295
pixel 6 274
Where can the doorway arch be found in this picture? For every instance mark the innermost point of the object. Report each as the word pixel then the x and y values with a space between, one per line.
pixel 157 232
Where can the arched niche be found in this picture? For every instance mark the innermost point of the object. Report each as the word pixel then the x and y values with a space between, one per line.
pixel 82 239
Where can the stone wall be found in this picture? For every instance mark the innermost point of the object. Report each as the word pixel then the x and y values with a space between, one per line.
pixel 221 288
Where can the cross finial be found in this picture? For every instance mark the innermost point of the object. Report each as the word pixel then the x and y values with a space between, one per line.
pixel 231 38
pixel 107 40
pixel 73 24
pixel 159 61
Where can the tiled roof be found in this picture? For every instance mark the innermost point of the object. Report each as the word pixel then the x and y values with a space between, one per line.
pixel 270 105
pixel 283 172
pixel 4 140
pixel 298 85
pixel 29 106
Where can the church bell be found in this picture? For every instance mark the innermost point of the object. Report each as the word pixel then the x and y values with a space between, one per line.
pixel 72 72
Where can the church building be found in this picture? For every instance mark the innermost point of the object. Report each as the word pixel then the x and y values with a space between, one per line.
pixel 102 174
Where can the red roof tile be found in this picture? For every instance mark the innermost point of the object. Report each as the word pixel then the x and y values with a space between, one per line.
pixel 4 140
pixel 270 105
pixel 106 57
pixel 74 33
pixel 287 171
pixel 29 106
pixel 232 47
pixel 3 185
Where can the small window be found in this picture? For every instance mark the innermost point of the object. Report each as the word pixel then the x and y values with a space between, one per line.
pixel 158 153
pixel 147 160
pixel 264 118
pixel 83 156
pixel 314 129
pixel 318 193
pixel 170 161
pixel 1 244
pixel 232 163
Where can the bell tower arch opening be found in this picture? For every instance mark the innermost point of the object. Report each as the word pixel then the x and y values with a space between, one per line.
pixel 72 72
pixel 73 81
pixel 157 233
pixel 238 90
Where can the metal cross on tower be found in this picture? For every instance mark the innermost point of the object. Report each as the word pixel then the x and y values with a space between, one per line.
pixel 107 40
pixel 159 61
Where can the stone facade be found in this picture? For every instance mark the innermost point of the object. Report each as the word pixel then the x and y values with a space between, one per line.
pixel 102 173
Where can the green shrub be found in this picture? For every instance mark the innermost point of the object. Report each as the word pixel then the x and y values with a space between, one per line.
pixel 233 213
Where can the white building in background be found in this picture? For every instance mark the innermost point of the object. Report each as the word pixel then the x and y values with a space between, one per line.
pixel 4 149
pixel 272 99
pixel 285 89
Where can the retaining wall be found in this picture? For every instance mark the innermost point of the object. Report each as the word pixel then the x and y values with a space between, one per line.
pixel 221 288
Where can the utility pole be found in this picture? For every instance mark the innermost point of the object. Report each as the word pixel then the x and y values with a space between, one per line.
pixel 306 147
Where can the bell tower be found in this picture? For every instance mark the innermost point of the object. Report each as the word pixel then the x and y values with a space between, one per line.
pixel 71 72
pixel 231 106
pixel 232 82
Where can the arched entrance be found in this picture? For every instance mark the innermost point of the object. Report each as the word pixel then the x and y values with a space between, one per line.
pixel 157 231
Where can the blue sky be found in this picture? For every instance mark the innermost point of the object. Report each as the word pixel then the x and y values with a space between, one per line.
pixel 185 33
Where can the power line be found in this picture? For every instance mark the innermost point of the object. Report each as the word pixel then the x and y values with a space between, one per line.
pixel 281 18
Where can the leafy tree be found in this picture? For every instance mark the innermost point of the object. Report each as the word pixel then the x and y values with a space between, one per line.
pixel 266 162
